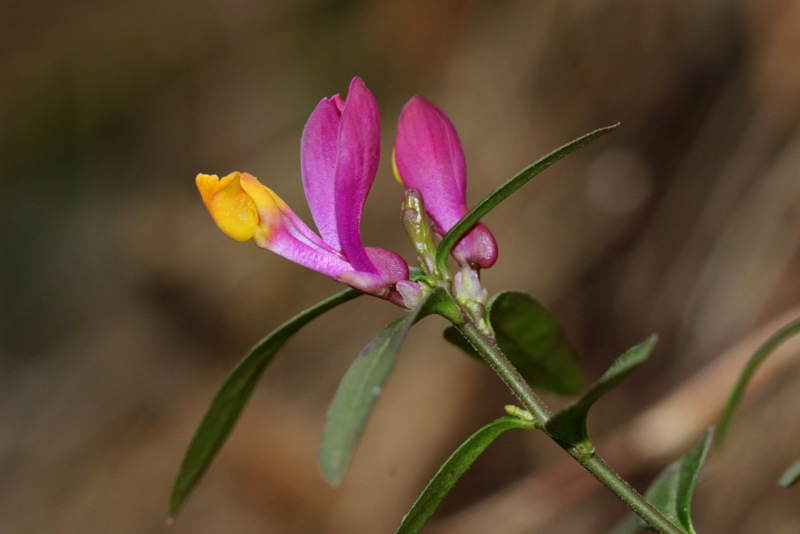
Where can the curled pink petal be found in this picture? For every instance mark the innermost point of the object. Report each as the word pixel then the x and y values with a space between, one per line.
pixel 373 284
pixel 478 246
pixel 390 265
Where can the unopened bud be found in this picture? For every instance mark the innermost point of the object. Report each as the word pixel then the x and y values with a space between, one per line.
pixel 418 228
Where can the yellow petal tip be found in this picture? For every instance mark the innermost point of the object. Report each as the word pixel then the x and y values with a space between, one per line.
pixel 229 205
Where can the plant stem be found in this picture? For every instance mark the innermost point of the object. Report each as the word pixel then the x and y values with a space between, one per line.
pixel 619 487
pixel 491 353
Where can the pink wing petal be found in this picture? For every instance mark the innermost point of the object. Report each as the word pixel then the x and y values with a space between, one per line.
pixel 318 149
pixel 356 165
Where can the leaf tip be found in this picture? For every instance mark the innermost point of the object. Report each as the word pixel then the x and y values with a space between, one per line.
pixel 176 501
pixel 330 473
pixel 790 476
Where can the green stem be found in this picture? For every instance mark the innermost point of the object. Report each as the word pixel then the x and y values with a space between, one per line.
pixel 491 353
pixel 619 487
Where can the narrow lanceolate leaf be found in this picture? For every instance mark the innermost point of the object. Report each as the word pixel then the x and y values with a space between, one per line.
pixel 234 393
pixel 749 370
pixel 790 476
pixel 671 493
pixel 358 391
pixel 569 424
pixel 455 466
pixel 533 342
pixel 504 191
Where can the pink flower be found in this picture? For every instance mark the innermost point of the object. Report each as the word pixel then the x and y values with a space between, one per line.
pixel 339 158
pixel 428 157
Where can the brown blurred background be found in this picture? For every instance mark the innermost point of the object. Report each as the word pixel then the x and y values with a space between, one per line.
pixel 123 307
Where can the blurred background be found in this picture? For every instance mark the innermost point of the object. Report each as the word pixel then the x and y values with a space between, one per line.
pixel 123 306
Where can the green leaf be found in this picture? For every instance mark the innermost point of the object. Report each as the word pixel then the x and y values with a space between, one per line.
pixel 759 356
pixel 790 476
pixel 504 191
pixel 671 492
pixel 229 401
pixel 569 424
pixel 534 343
pixel 455 466
pixel 359 389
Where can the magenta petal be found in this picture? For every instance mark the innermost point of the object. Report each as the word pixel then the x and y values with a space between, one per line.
pixel 301 253
pixel 289 242
pixel 373 284
pixel 477 247
pixel 292 245
pixel 318 149
pixel 429 158
pixel 390 265
pixel 356 165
